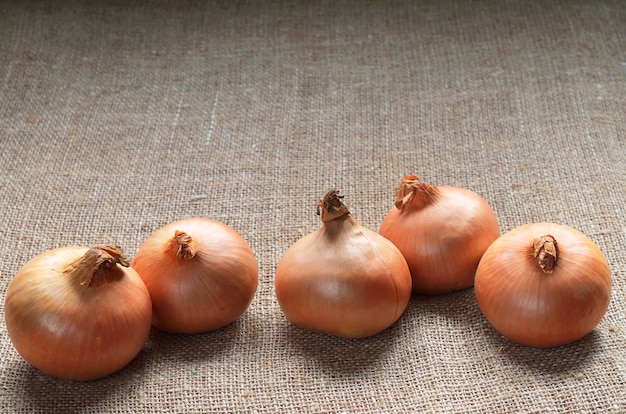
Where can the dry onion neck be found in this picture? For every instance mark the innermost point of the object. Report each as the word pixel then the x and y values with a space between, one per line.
pixel 412 190
pixel 331 207
pixel 98 265
pixel 545 252
pixel 183 246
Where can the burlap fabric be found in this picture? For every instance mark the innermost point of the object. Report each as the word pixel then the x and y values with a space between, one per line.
pixel 117 118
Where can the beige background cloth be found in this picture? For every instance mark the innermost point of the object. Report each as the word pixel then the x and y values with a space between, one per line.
pixel 119 117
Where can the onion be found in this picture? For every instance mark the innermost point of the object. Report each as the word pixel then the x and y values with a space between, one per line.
pixel 543 285
pixel 201 275
pixel 76 313
pixel 442 232
pixel 343 279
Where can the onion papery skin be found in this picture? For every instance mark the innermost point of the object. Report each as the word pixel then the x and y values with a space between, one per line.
pixel 73 331
pixel 442 232
pixel 344 280
pixel 202 293
pixel 537 308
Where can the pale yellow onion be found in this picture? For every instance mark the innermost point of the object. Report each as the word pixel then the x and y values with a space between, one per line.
pixel 78 313
pixel 543 285
pixel 201 275
pixel 442 232
pixel 343 279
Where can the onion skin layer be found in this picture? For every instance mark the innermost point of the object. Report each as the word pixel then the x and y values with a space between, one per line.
pixel 73 331
pixel 442 232
pixel 210 289
pixel 344 280
pixel 537 308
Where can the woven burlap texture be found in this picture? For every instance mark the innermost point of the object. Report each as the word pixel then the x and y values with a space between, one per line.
pixel 117 118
